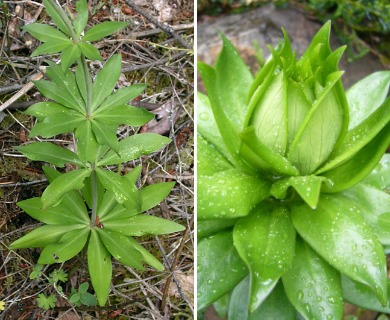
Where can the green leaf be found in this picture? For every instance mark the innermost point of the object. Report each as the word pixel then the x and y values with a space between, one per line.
pixel 220 195
pixel 313 286
pixel 153 194
pixel 121 248
pixel 359 137
pixel 53 13
pixel 352 171
pixel 338 233
pixel 123 114
pixel 103 29
pixel 81 20
pixel 71 201
pixel 221 306
pixel 220 268
pixel 70 244
pixel 52 215
pixel 276 306
pixel 87 146
pixel 206 228
pixel 308 187
pixel 46 302
pixel 45 33
pixel 122 96
pixel 49 152
pixel 365 96
pixel 81 82
pixel 108 203
pixel 105 134
pixel 228 68
pixel 125 192
pixel 43 236
pixel 57 123
pixel 69 56
pixel 226 128
pixel 207 125
pixel 88 299
pixel 51 47
pixel 106 79
pixel 269 115
pixel 362 296
pixel 313 144
pixel 60 94
pixel 89 51
pixel 267 260
pixel 134 147
pixel 41 110
pixel 99 267
pixel 275 160
pixel 142 224
pixel 374 206
pixel 147 257
pixel 380 176
pixel 209 160
pixel 66 82
pixel 74 298
pixel 88 193
pixel 66 182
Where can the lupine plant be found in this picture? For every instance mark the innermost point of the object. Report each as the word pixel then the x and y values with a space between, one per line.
pixel 90 207
pixel 293 213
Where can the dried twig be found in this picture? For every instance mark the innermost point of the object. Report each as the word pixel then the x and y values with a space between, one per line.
pixel 166 28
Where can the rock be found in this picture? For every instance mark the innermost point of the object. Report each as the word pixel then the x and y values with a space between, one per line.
pixel 263 26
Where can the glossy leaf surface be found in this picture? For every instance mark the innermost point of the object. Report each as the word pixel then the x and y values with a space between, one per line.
pixel 367 95
pixel 361 295
pixel 122 96
pixel 338 233
pixel 153 194
pixel 220 195
pixel 313 286
pixel 267 260
pixel 147 257
pixel 220 268
pixel 123 114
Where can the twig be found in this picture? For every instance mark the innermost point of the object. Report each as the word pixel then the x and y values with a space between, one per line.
pixel 10 88
pixel 22 91
pixel 166 28
pixel 154 63
pixel 19 184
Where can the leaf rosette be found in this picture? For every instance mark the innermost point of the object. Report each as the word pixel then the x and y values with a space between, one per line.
pixel 288 168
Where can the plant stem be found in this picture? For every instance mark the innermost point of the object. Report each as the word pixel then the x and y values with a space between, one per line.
pixel 94 198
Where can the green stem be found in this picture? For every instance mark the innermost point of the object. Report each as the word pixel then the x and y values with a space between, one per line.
pixel 94 198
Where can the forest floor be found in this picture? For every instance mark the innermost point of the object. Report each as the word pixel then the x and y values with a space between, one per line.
pixel 165 62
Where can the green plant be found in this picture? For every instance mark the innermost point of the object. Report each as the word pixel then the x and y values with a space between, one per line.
pixel 90 207
pixel 292 212
pixel 81 296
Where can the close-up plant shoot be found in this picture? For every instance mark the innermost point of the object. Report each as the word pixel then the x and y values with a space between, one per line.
pixel 293 186
pixel 89 209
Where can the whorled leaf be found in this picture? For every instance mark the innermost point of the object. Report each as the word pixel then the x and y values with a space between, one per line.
pixel 312 285
pixel 220 268
pixel 99 267
pixel 266 259
pixel 339 234
pixel 220 195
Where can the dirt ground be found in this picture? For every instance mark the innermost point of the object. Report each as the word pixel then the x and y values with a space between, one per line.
pixel 154 54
